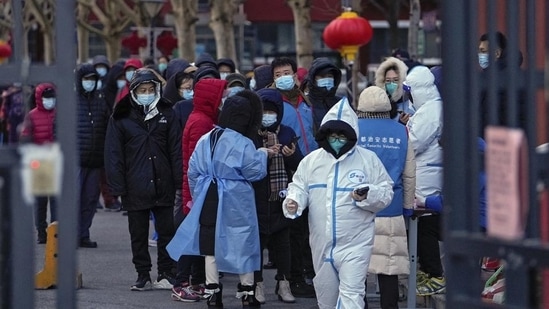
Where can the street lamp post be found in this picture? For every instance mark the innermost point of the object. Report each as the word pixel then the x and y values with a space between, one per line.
pixel 152 8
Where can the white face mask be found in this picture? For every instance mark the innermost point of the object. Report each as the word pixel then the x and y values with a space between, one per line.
pixel 49 103
pixel 268 120
pixel 223 75
pixel 99 84
pixel 252 84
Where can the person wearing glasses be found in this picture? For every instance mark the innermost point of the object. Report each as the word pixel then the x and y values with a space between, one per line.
pixel 343 186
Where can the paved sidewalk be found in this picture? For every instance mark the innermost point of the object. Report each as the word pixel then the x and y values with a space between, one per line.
pixel 108 272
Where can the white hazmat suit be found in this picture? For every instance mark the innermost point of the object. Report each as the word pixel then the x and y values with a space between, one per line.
pixel 341 229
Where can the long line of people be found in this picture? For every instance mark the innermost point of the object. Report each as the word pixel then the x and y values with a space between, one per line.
pixel 277 166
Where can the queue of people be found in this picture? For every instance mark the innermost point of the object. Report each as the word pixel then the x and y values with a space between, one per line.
pixel 228 165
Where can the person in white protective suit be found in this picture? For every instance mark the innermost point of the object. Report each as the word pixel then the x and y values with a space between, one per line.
pixel 341 218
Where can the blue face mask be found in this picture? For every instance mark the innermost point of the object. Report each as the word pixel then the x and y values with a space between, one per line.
pixel 162 67
pixel 391 87
pixel 49 103
pixel 88 85
pixel 252 84
pixel 102 71
pixel 187 94
pixel 337 145
pixel 285 82
pixel 327 82
pixel 268 120
pixel 129 75
pixel 145 99
pixel 120 83
pixel 234 90
pixel 483 60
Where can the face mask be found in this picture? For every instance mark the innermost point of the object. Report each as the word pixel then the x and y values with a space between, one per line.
pixel 145 99
pixel 187 94
pixel 222 103
pixel 268 120
pixel 252 84
pixel 391 87
pixel 101 71
pixel 234 90
pixel 483 60
pixel 99 84
pixel 49 103
pixel 327 82
pixel 285 82
pixel 120 84
pixel 88 85
pixel 337 145
pixel 162 67
pixel 223 76
pixel 129 75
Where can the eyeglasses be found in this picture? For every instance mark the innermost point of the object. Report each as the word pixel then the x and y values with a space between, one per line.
pixel 340 138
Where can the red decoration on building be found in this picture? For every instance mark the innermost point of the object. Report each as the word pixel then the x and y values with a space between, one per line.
pixel 166 43
pixel 5 50
pixel 347 33
pixel 133 42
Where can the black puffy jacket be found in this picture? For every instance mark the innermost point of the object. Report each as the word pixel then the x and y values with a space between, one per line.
pixel 93 116
pixel 143 158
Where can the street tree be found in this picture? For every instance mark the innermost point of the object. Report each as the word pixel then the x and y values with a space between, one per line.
pixel 185 18
pixel 5 20
pixel 301 10
pixel 114 17
pixel 40 13
pixel 222 24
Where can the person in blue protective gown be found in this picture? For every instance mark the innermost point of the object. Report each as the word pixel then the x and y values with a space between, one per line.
pixel 341 218
pixel 222 224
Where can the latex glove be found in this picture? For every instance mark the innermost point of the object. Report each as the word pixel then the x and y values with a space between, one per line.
pixel 407 212
pixel 291 207
pixel 420 201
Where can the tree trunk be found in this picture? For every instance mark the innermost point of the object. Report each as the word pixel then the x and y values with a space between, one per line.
pixel 113 46
pixel 301 10
pixel 413 30
pixel 49 46
pixel 83 44
pixel 184 12
pixel 221 23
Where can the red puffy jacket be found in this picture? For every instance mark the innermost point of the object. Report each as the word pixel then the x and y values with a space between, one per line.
pixel 207 98
pixel 39 125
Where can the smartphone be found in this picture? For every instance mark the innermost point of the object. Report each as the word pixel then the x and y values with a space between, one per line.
pixel 362 191
pixel 294 141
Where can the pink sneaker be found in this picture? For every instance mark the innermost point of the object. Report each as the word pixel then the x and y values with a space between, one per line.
pixel 184 293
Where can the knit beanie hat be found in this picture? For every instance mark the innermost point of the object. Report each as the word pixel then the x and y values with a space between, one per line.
pixel 374 100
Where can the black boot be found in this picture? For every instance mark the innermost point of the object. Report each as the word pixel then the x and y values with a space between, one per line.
pixel 214 295
pixel 246 294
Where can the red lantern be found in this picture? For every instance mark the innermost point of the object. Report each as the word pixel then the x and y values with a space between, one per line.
pixel 5 51
pixel 347 33
pixel 166 43
pixel 133 42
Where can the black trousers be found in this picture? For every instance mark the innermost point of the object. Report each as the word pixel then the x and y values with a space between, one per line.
pixel 388 290
pixel 189 266
pixel 41 212
pixel 301 257
pixel 279 244
pixel 138 222
pixel 428 249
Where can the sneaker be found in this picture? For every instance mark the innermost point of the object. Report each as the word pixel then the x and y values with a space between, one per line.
pixel 152 243
pixel 164 282
pixel 114 207
pixel 301 289
pixel 184 293
pixel 420 277
pixel 260 292
pixel 431 286
pixel 199 289
pixel 143 283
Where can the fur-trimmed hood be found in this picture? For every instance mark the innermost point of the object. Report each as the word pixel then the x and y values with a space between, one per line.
pixel 401 70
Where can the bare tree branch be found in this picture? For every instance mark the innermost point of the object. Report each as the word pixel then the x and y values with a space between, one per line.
pixel 89 27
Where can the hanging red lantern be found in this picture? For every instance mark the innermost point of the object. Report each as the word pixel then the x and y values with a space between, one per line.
pixel 5 51
pixel 133 42
pixel 166 43
pixel 347 33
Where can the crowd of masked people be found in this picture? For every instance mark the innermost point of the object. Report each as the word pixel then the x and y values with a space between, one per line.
pixel 227 165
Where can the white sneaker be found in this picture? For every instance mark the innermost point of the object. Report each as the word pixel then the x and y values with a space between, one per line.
pixel 284 292
pixel 260 292
pixel 163 284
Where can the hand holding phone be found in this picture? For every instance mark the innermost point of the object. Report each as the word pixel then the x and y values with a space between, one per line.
pixel 294 141
pixel 362 191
